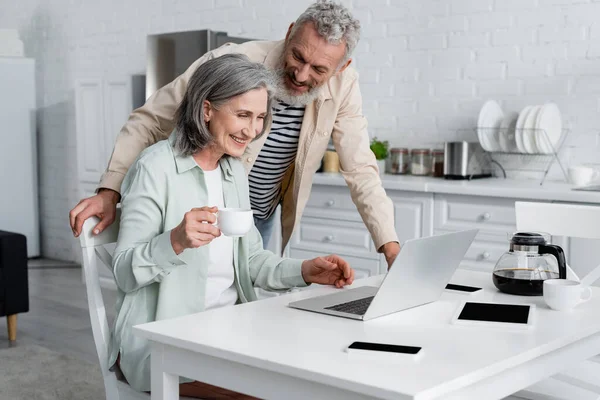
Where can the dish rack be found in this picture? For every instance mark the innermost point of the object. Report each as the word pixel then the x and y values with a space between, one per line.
pixel 531 164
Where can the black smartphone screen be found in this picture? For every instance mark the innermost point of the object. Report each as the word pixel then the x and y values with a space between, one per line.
pixel 390 348
pixel 493 312
pixel 462 288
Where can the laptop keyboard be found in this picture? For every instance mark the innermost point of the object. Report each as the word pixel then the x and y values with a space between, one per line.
pixel 358 307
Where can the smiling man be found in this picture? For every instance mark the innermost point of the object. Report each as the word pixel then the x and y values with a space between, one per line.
pixel 318 98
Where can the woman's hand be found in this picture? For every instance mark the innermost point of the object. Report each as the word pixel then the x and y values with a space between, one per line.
pixel 328 270
pixel 195 230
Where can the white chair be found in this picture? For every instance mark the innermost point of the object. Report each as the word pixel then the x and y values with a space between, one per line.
pixel 581 382
pixel 93 249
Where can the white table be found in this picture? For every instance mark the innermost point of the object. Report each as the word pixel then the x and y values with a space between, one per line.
pixel 269 350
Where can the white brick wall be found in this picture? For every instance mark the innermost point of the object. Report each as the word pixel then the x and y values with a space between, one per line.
pixel 427 66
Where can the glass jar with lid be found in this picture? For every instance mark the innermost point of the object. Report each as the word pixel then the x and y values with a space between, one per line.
pixel 437 163
pixel 420 162
pixel 399 161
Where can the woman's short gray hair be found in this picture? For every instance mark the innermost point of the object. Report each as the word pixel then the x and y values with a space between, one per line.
pixel 217 80
pixel 333 22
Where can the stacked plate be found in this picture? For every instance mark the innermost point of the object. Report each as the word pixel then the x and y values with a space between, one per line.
pixel 536 129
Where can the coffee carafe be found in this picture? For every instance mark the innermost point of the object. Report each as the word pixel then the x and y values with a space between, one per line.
pixel 529 262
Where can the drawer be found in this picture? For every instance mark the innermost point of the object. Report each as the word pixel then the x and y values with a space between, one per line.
pixel 488 214
pixel 327 236
pixel 363 268
pixel 331 202
pixel 483 256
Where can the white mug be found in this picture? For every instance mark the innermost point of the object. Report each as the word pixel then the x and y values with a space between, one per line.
pixel 565 294
pixel 234 221
pixel 581 175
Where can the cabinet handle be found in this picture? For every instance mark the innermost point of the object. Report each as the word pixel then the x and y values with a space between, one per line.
pixel 486 216
pixel 330 203
pixel 328 238
pixel 485 255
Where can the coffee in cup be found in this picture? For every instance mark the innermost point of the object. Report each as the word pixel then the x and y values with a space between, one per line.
pixel 234 221
pixel 565 294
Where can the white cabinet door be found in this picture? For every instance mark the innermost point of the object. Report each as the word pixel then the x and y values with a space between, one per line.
pixel 413 214
pixel 117 107
pixel 91 142
pixel 102 107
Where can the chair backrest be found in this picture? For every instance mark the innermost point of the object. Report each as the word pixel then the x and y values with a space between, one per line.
pixel 559 219
pixel 572 220
pixel 93 250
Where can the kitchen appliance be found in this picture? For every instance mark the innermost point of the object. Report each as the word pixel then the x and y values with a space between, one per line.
pixel 465 160
pixel 19 205
pixel 170 54
pixel 529 262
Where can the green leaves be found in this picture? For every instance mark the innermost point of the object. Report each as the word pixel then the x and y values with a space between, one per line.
pixel 379 148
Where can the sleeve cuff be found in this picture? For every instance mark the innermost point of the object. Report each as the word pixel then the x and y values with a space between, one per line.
pixel 291 273
pixel 111 180
pixel 162 251
pixel 383 238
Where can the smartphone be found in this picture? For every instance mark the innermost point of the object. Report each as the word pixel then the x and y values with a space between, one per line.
pixel 462 288
pixel 381 351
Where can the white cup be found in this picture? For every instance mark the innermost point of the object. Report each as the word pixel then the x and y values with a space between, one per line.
pixel 565 294
pixel 234 221
pixel 581 175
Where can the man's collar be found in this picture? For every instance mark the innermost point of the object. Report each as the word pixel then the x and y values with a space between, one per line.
pixel 272 62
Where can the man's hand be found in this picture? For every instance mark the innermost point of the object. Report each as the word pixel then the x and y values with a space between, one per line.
pixel 329 270
pixel 103 205
pixel 390 250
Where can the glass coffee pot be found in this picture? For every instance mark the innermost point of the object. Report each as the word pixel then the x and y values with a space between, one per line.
pixel 529 262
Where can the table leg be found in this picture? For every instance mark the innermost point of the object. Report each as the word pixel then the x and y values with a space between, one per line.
pixel 164 386
pixel 12 327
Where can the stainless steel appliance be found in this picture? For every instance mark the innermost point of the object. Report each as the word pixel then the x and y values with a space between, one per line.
pixel 168 55
pixel 465 160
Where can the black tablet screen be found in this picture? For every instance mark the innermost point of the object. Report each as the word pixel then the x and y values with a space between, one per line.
pixel 516 314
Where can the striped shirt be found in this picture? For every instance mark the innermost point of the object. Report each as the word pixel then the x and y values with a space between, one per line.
pixel 275 157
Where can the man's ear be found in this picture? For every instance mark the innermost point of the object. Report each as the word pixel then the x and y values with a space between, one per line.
pixel 207 110
pixel 287 35
pixel 343 67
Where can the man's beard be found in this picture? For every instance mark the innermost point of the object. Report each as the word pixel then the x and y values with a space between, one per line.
pixel 285 95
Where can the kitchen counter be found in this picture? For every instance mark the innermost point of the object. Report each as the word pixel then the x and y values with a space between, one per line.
pixel 494 187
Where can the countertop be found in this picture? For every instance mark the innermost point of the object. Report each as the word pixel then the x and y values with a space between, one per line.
pixel 494 187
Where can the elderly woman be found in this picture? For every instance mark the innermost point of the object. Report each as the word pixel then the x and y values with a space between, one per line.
pixel 170 259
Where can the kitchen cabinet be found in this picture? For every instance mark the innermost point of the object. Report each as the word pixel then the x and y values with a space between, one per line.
pixel 331 224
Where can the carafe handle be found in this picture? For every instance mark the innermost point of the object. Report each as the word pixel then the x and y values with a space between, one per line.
pixel 559 254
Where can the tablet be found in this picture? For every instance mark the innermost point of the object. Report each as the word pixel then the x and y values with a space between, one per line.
pixel 502 315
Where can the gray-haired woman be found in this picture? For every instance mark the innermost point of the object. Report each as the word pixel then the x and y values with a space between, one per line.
pixel 170 259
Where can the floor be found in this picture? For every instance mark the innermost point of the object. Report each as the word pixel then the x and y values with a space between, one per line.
pixel 58 316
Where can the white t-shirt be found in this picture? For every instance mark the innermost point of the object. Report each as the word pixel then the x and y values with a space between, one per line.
pixel 220 288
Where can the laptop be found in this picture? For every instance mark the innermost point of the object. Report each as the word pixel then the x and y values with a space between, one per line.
pixel 418 276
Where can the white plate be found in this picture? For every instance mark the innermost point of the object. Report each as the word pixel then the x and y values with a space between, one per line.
pixel 529 130
pixel 519 129
pixel 506 133
pixel 488 123
pixel 549 128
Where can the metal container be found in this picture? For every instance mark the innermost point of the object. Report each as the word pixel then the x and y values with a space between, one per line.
pixel 465 160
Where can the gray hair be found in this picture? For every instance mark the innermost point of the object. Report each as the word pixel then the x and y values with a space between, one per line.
pixel 333 22
pixel 218 81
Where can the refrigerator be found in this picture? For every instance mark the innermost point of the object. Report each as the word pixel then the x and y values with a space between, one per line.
pixel 19 211
pixel 168 55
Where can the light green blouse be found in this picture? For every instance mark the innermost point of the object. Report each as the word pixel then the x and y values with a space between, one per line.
pixel 154 283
